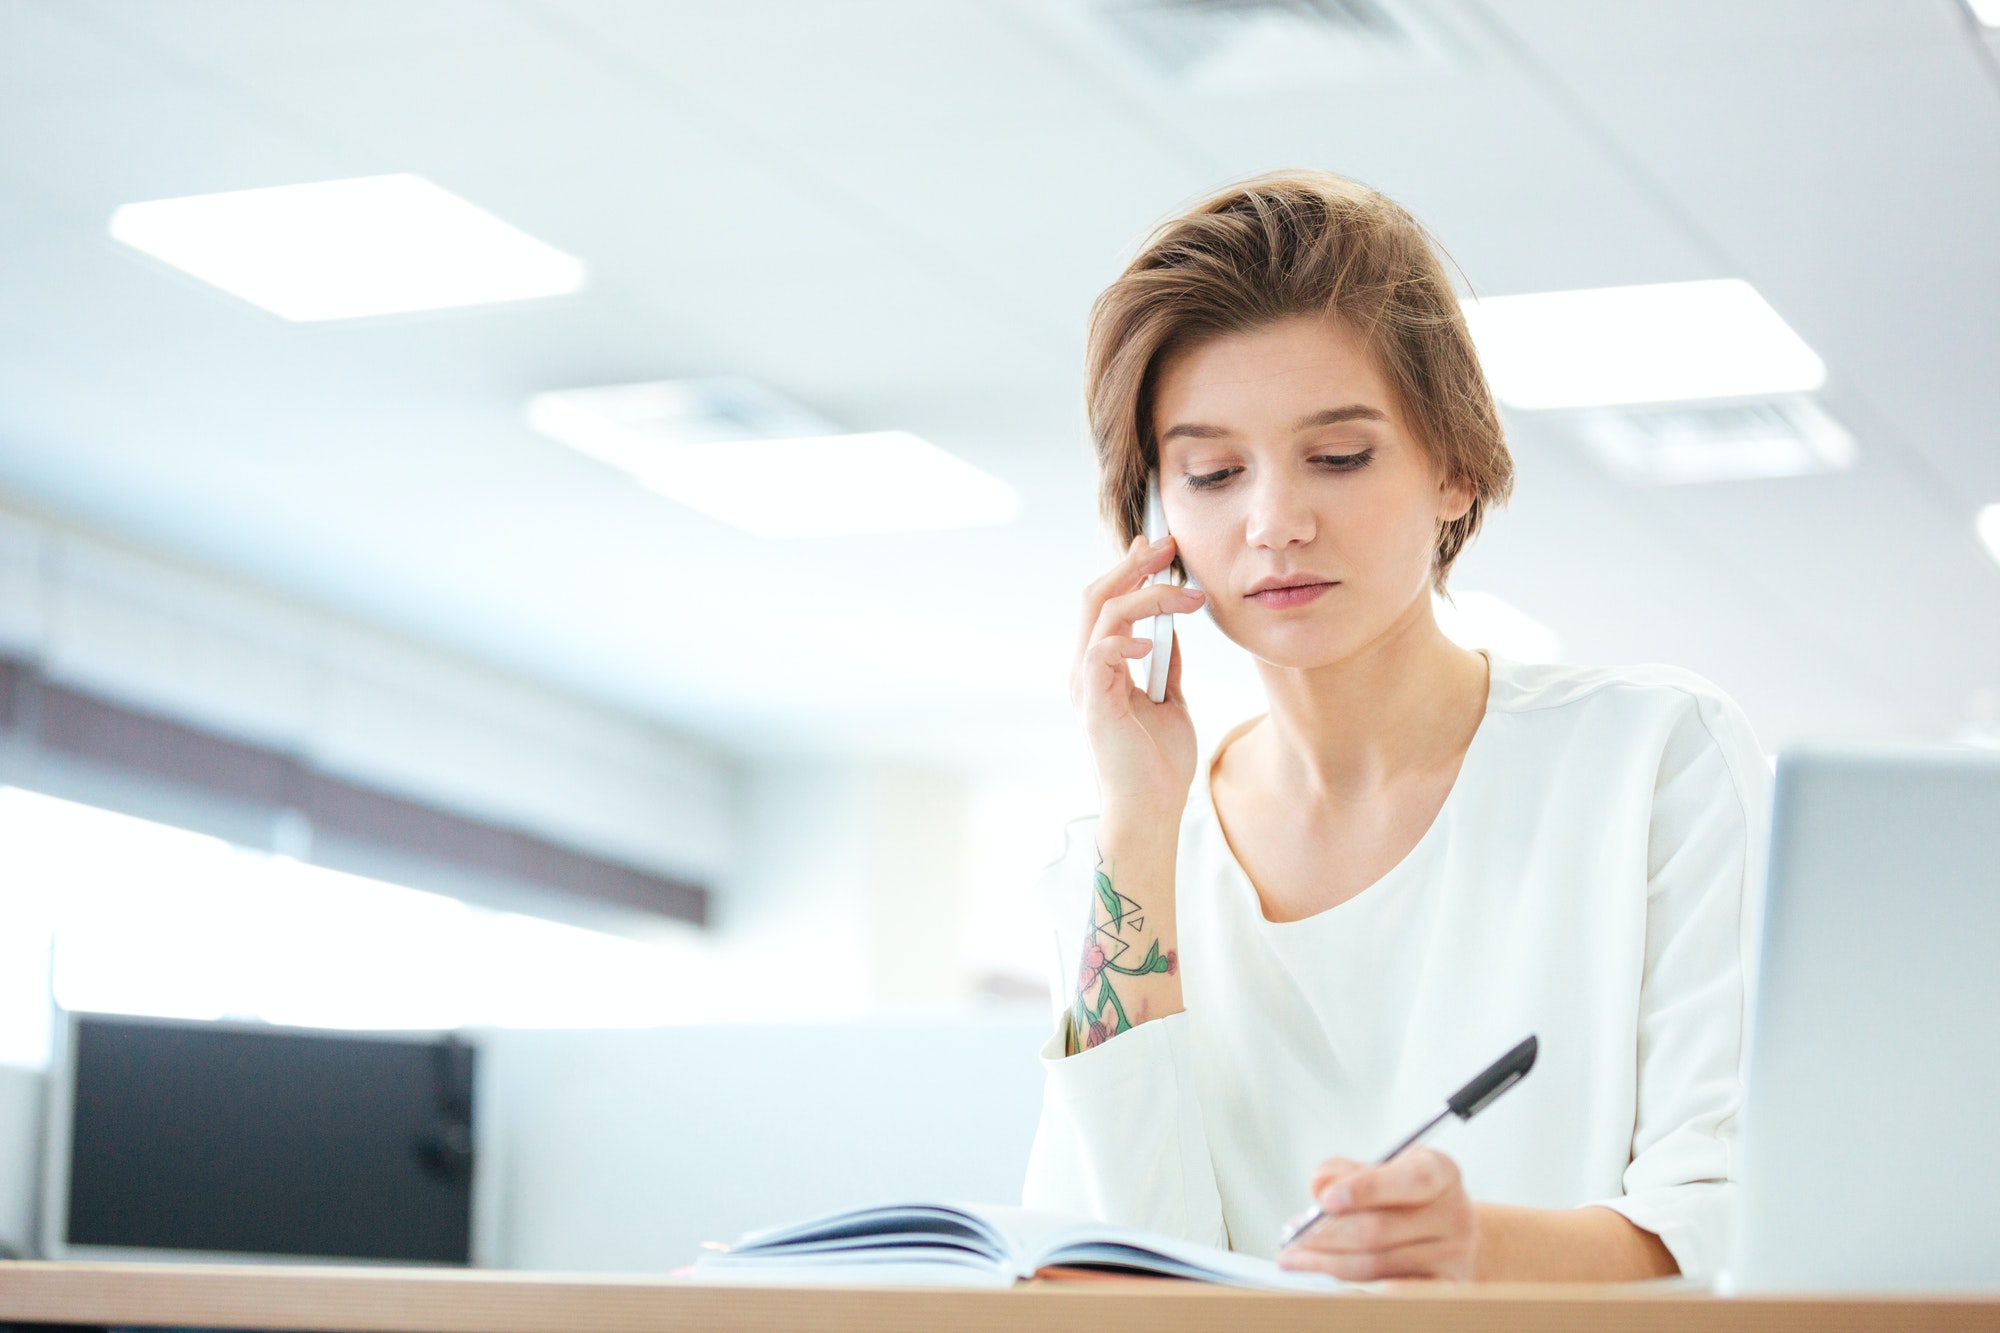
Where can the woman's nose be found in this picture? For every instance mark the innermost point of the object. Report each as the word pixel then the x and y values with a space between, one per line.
pixel 1279 517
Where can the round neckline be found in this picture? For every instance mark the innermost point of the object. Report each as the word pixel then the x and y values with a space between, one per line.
pixel 1431 834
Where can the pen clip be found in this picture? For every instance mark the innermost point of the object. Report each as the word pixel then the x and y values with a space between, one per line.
pixel 1495 1079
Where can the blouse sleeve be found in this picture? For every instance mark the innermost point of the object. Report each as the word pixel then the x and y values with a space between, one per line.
pixel 1704 852
pixel 1121 1137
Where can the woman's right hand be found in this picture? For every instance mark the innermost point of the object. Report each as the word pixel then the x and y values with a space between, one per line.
pixel 1145 752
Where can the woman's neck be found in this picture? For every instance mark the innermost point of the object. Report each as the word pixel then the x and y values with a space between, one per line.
pixel 1407 703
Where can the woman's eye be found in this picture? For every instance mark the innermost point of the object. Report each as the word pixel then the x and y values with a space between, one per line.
pixel 1345 462
pixel 1205 480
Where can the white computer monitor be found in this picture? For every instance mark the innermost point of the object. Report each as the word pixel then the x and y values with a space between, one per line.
pixel 1870 1157
pixel 177 1140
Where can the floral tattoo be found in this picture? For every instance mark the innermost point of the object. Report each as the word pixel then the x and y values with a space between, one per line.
pixel 1114 932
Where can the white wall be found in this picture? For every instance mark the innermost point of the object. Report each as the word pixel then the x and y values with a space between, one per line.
pixel 624 1151
pixel 851 893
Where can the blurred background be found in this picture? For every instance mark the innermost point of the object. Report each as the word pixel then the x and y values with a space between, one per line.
pixel 595 570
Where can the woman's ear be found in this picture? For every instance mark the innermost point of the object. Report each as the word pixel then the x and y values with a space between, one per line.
pixel 1454 500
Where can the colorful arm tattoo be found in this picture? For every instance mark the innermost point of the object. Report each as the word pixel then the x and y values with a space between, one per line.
pixel 1116 931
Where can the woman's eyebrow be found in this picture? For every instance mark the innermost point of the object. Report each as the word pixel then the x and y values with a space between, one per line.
pixel 1334 416
pixel 1331 416
pixel 1194 430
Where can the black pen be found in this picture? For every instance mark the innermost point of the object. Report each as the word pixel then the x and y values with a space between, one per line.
pixel 1466 1103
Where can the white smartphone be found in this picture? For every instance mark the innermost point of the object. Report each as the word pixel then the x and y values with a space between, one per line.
pixel 1162 632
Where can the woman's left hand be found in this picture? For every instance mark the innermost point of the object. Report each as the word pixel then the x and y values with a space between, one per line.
pixel 1408 1218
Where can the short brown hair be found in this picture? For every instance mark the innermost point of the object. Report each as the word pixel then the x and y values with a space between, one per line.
pixel 1270 248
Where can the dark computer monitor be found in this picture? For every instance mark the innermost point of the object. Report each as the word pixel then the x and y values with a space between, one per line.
pixel 206 1138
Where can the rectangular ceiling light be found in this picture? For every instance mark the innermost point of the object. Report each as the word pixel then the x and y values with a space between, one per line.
pixel 1670 342
pixel 376 245
pixel 737 452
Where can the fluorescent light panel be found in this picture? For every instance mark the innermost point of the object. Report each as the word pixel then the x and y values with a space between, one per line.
pixel 376 245
pixel 1669 342
pixel 739 453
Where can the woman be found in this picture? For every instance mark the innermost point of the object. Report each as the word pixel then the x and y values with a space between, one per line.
pixel 1421 854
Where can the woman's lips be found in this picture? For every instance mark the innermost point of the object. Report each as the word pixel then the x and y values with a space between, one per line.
pixel 1297 594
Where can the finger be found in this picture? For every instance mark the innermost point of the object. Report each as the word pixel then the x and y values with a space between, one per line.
pixel 1332 1169
pixel 1121 647
pixel 1139 563
pixel 1415 1177
pixel 1378 1229
pixel 1102 673
pixel 1422 1259
pixel 1121 577
pixel 1120 613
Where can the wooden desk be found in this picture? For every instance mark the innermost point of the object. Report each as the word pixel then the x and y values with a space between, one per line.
pixel 376 1300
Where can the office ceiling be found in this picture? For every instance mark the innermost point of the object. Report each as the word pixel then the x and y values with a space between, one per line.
pixel 896 212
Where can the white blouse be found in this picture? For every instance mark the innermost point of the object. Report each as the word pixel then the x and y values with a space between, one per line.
pixel 1591 879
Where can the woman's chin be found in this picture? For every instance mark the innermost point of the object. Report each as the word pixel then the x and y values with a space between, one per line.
pixel 1295 651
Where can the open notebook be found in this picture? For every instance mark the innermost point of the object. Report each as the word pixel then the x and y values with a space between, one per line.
pixel 964 1245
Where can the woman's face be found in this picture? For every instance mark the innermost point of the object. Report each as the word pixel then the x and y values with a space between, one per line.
pixel 1297 495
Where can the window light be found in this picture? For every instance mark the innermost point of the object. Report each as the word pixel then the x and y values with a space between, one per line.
pixel 1481 620
pixel 1668 342
pixel 732 450
pixel 149 919
pixel 376 245
pixel 1989 529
